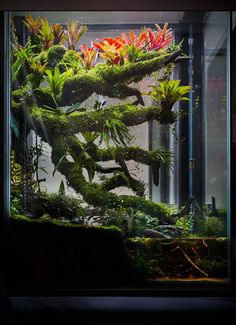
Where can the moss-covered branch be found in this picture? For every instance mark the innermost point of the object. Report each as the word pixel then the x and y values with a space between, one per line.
pixel 122 179
pixel 77 122
pixel 112 81
pixel 154 159
pixel 95 195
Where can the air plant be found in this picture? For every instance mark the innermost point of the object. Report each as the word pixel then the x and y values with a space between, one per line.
pixel 133 45
pixel 46 35
pixel 14 38
pixel 133 52
pixel 89 56
pixel 58 33
pixel 73 33
pixel 167 93
pixel 72 60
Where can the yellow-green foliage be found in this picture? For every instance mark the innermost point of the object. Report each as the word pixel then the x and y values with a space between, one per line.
pixel 16 173
pixel 169 92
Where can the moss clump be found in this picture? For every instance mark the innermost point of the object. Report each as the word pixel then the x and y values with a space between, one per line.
pixel 22 97
pixel 20 219
pixel 44 97
pixel 112 81
pixel 94 120
pixel 55 55
pixel 55 206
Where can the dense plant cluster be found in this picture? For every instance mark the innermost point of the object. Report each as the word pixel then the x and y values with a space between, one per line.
pixel 53 74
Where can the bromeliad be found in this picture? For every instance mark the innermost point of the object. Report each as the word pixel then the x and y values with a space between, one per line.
pixel 167 93
pixel 89 56
pixel 157 40
pixel 73 33
pixel 113 52
pixel 59 34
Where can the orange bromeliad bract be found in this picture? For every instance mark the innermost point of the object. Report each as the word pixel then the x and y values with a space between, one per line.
pixel 114 50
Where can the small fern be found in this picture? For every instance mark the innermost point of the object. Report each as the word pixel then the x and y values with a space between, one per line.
pixel 16 173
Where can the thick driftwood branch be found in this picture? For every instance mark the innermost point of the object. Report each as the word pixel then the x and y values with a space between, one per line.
pixel 112 81
pixel 80 154
pixel 77 122
pixel 88 161
pixel 119 180
pixel 93 193
pixel 150 158
pixel 137 154
pixel 128 153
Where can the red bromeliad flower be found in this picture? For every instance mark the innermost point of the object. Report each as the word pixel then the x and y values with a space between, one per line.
pixel 159 39
pixel 114 50
pixel 124 39
pixel 148 38
pixel 108 40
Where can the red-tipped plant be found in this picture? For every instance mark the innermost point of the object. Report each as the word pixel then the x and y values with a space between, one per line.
pixel 155 40
pixel 33 25
pixel 73 33
pixel 45 34
pixel 58 33
pixel 112 50
pixel 89 56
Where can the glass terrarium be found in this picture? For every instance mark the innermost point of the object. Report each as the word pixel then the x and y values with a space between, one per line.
pixel 119 155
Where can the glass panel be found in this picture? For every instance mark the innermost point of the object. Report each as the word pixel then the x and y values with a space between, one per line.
pixel 118 149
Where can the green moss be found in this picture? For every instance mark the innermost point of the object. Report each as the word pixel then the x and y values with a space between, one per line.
pixel 22 97
pixel 43 97
pixel 93 120
pixel 112 81
pixel 97 197
pixel 41 57
pixel 121 179
pixel 55 55
pixel 47 224
pixel 56 206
